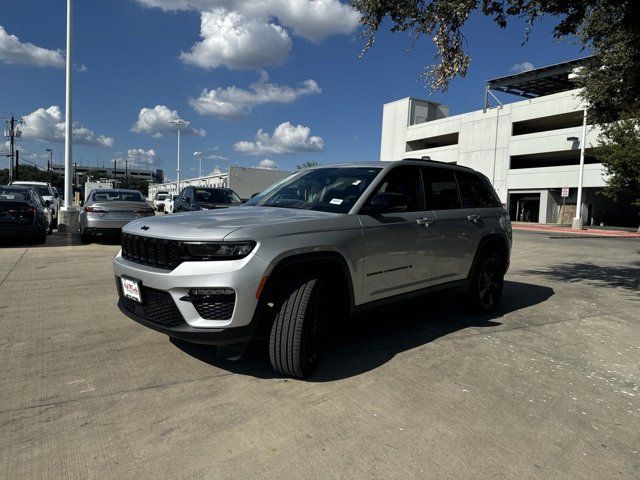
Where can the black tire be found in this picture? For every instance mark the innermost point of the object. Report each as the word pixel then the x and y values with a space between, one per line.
pixel 298 327
pixel 54 222
pixel 486 284
pixel 85 238
pixel 40 236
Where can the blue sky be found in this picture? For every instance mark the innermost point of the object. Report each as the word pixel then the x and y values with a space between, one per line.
pixel 313 98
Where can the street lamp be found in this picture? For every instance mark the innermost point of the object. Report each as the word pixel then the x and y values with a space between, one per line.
pixel 198 156
pixel 578 221
pixel 50 162
pixel 180 124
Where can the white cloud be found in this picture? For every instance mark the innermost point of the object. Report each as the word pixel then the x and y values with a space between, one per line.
pixel 285 139
pixel 48 125
pixel 233 102
pixel 522 67
pixel 314 20
pixel 267 164
pixel 143 158
pixel 13 51
pixel 232 40
pixel 216 170
pixel 156 122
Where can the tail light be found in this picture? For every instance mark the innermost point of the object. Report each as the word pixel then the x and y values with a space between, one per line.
pixel 96 210
pixel 23 210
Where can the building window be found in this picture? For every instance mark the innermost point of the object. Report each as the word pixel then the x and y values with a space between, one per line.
pixel 546 124
pixel 551 159
pixel 432 142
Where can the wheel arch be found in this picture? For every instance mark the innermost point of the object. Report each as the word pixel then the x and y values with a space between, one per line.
pixel 491 243
pixel 326 262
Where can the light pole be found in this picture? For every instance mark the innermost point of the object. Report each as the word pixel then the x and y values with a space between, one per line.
pixel 50 164
pixel 180 124
pixel 68 221
pixel 198 156
pixel 578 221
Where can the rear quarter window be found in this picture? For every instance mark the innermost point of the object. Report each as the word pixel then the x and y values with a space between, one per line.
pixel 476 192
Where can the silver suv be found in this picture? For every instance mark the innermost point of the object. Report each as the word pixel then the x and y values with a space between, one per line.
pixel 319 245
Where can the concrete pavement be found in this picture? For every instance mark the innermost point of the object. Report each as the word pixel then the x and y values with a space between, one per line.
pixel 546 388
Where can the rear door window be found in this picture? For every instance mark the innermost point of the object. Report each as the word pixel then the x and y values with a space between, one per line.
pixel 404 180
pixel 476 192
pixel 441 189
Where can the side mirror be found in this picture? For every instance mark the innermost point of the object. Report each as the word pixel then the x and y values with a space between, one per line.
pixel 187 200
pixel 389 202
pixel 48 202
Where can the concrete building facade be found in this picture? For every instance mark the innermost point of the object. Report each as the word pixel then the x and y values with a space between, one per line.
pixel 529 149
pixel 242 180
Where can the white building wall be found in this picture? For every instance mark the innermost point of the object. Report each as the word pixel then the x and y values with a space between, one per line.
pixel 485 143
pixel 244 181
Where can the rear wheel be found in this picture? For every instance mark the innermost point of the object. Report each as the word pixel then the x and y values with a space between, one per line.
pixel 40 236
pixel 85 237
pixel 486 284
pixel 298 327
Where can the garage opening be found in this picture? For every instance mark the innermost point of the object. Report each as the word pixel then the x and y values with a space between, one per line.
pixel 524 207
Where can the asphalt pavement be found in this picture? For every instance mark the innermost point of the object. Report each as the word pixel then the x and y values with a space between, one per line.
pixel 546 388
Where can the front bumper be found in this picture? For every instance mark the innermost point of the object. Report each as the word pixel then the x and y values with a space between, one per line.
pixel 207 336
pixel 172 287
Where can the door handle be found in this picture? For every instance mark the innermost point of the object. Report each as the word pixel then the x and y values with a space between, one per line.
pixel 424 221
pixel 474 218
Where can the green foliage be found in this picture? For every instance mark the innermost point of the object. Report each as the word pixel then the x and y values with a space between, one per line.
pixel 611 29
pixel 303 165
pixel 29 172
pixel 619 152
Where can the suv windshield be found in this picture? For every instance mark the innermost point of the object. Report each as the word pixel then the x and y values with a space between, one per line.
pixel 115 196
pixel 329 189
pixel 216 195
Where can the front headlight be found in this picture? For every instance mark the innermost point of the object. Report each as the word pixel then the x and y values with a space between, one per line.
pixel 218 250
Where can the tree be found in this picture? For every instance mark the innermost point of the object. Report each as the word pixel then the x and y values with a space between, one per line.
pixel 619 152
pixel 30 172
pixel 609 28
pixel 303 165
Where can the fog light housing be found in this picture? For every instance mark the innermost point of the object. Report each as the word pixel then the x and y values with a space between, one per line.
pixel 210 292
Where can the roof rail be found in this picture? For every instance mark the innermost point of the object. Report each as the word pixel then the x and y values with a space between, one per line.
pixel 429 160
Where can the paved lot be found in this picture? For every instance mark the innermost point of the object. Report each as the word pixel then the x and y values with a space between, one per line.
pixel 547 388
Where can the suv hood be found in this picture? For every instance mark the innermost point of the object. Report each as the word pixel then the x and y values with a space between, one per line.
pixel 217 224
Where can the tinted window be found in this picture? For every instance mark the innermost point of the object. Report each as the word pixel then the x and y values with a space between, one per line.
pixel 476 192
pixel 405 180
pixel 116 196
pixel 216 196
pixel 11 194
pixel 441 189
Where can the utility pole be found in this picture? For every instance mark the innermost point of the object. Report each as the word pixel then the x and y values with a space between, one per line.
pixel 50 161
pixel 13 133
pixel 180 124
pixel 17 164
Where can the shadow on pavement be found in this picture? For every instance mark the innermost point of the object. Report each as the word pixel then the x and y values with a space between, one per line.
pixel 57 240
pixel 373 338
pixel 626 276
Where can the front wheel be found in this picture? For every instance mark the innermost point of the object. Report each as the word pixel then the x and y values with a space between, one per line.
pixel 486 284
pixel 296 333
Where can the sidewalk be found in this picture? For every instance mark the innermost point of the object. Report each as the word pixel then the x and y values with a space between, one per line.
pixel 538 227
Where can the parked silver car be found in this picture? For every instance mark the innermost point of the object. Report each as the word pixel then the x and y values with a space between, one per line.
pixel 106 211
pixel 319 245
